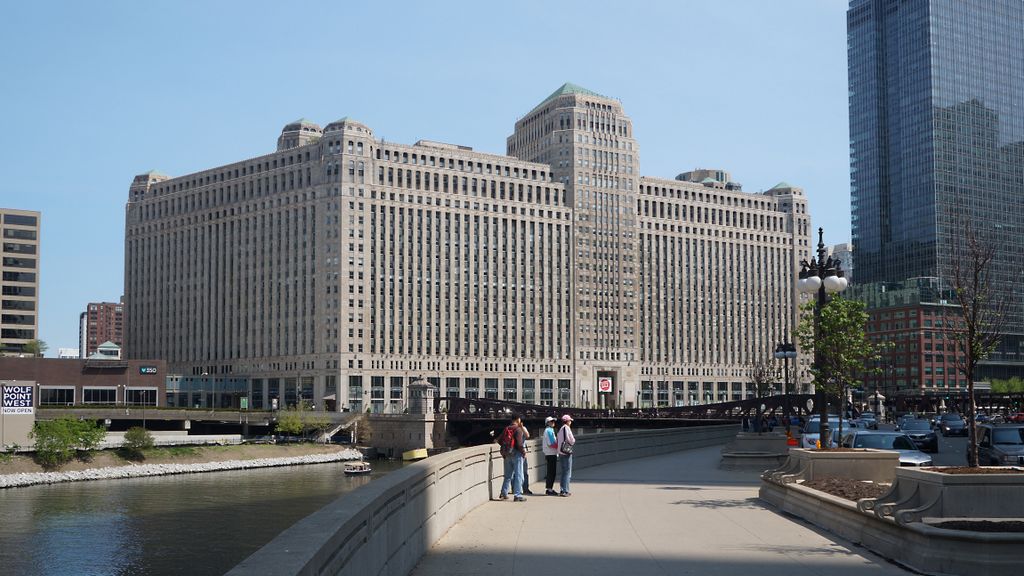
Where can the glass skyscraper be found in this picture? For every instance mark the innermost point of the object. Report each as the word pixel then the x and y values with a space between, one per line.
pixel 937 137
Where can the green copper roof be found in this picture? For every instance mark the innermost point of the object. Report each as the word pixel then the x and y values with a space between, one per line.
pixel 568 88
pixel 708 180
pixel 781 185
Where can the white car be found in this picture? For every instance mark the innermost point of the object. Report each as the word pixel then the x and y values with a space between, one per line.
pixel 812 432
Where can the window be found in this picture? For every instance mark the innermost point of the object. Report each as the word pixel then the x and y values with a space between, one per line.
pixel 56 396
pixel 99 395
pixel 141 397
pixel 19 220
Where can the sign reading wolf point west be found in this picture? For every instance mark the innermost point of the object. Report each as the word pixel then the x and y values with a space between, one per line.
pixel 18 400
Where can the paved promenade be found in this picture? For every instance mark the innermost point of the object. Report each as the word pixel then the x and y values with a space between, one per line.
pixel 668 515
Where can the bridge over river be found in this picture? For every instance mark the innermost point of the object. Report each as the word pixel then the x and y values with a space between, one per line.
pixel 473 420
pixel 645 502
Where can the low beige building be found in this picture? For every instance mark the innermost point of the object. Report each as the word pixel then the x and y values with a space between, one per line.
pixel 19 306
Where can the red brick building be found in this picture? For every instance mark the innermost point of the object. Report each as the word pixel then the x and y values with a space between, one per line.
pixel 101 322
pixel 920 353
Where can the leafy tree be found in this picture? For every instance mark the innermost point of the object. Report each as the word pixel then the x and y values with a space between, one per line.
pixel 842 346
pixel 300 420
pixel 289 422
pixel 137 439
pixel 1015 384
pixel 763 377
pixel 57 440
pixel 364 430
pixel 35 347
pixel 979 322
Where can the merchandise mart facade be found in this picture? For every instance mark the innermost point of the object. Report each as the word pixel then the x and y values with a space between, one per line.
pixel 937 145
pixel 341 268
pixel 19 320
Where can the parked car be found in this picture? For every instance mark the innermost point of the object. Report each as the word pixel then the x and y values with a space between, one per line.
pixel 906 418
pixel 1016 418
pixel 867 420
pixel 920 431
pixel 812 431
pixel 909 454
pixel 1001 445
pixel 951 424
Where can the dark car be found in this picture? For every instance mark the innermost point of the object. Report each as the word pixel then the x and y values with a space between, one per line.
pixel 920 431
pixel 952 425
pixel 1001 445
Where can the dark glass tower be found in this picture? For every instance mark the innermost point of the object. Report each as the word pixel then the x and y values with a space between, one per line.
pixel 936 136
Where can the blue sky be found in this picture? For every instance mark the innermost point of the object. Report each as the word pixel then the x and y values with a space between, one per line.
pixel 96 92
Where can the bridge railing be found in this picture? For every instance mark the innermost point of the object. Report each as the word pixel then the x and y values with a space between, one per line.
pixel 459 408
pixel 385 526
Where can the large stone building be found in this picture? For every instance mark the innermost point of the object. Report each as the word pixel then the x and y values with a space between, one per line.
pixel 340 268
pixel 19 306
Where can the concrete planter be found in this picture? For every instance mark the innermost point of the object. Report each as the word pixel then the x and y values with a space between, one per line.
pixel 917 545
pixel 753 451
pixel 918 494
pixel 806 465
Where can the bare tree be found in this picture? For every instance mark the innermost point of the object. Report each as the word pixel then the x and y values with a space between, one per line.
pixel 764 377
pixel 978 326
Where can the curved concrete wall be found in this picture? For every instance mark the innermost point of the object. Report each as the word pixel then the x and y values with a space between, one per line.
pixel 387 525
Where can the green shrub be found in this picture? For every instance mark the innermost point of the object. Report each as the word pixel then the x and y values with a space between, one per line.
pixel 57 440
pixel 137 439
pixel 8 452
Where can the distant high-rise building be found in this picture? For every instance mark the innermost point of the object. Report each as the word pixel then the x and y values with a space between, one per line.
pixel 844 253
pixel 19 307
pixel 341 268
pixel 101 322
pixel 68 353
pixel 937 145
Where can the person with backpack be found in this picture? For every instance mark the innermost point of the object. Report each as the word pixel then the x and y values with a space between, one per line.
pixel 526 464
pixel 566 442
pixel 549 444
pixel 512 444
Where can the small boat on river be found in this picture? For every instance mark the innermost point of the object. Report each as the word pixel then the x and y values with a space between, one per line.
pixel 357 468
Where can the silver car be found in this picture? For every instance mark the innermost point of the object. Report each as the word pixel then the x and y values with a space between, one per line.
pixel 898 441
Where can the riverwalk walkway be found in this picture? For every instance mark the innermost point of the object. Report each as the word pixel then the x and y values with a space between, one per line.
pixel 674 514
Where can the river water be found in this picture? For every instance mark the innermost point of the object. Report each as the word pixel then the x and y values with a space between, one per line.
pixel 194 524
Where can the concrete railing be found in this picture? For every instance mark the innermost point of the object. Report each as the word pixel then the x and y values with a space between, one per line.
pixel 385 526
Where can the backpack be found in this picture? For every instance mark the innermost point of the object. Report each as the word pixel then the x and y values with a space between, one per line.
pixel 507 441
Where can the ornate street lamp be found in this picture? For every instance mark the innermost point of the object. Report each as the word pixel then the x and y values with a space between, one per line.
pixel 785 352
pixel 822 275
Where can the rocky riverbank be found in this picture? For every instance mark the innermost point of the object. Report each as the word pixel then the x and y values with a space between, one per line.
pixel 166 468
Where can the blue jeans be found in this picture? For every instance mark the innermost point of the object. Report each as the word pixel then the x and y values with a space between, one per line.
pixel 565 464
pixel 513 474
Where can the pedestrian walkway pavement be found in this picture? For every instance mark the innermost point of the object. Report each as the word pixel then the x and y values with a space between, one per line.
pixel 674 514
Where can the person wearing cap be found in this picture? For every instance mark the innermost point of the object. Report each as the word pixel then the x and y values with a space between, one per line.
pixel 549 443
pixel 566 441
